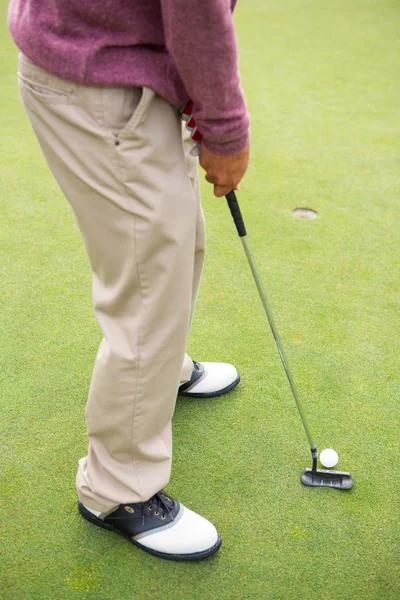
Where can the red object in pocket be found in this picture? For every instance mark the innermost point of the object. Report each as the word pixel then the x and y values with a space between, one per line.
pixel 196 135
pixel 187 111
pixel 191 123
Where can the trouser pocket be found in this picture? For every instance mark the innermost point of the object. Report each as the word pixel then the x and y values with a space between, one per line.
pixel 123 109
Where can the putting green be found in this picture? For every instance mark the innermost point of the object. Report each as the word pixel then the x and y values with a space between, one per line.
pixel 323 88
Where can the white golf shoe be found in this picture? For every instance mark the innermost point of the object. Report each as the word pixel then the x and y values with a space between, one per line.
pixel 161 526
pixel 210 379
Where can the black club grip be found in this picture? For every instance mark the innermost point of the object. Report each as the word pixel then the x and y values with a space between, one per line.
pixel 236 214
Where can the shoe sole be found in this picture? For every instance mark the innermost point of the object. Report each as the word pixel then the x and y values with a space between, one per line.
pixel 86 514
pixel 212 394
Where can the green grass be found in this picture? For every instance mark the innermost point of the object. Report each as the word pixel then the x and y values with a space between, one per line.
pixel 323 87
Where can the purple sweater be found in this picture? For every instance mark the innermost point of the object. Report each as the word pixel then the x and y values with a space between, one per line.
pixel 180 48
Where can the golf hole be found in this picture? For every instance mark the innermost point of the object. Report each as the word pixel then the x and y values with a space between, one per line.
pixel 304 213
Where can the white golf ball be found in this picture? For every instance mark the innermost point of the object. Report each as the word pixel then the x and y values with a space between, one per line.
pixel 329 458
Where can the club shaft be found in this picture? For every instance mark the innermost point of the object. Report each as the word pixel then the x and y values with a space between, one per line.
pixel 275 333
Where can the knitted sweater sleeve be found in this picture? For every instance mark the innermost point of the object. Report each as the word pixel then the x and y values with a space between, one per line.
pixel 200 37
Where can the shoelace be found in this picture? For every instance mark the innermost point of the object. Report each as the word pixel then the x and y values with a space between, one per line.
pixel 159 504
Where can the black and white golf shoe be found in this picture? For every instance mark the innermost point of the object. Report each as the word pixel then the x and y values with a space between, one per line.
pixel 161 526
pixel 210 379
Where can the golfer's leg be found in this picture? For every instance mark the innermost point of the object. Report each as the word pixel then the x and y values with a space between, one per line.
pixel 211 378
pixel 137 212
pixel 193 173
pixel 151 163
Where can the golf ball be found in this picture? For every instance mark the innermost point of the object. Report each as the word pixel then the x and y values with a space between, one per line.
pixel 329 458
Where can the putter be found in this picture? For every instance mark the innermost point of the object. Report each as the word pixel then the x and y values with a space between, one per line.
pixel 314 477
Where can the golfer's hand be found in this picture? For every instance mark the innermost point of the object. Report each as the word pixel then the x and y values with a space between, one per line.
pixel 225 172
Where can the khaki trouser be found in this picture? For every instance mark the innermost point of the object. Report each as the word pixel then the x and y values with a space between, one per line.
pixel 119 158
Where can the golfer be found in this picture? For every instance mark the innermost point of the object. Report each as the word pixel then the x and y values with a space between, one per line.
pixel 104 85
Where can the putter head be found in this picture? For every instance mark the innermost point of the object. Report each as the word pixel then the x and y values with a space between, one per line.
pixel 341 480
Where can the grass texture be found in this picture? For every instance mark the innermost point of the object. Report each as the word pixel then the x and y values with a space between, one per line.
pixel 323 87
